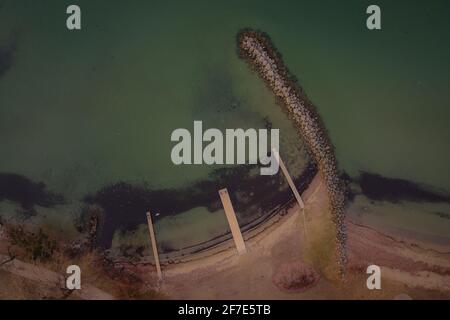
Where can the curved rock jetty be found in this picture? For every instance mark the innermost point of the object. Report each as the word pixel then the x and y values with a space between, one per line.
pixel 256 48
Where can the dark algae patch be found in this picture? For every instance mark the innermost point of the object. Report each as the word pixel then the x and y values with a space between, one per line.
pixel 442 214
pixel 6 58
pixel 27 193
pixel 377 187
pixel 124 205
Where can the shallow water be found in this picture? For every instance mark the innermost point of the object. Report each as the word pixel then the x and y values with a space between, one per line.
pixel 83 110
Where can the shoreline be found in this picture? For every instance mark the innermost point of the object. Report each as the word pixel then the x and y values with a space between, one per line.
pixel 227 245
pixel 406 265
pixel 119 206
pixel 437 244
pixel 249 229
pixel 409 267
pixel 227 250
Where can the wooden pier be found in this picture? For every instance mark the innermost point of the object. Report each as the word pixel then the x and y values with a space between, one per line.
pixel 154 246
pixel 292 186
pixel 232 221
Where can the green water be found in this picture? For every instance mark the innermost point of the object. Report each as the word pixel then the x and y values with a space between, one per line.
pixel 80 110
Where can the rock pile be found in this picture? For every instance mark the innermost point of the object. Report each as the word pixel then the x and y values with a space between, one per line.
pixel 256 48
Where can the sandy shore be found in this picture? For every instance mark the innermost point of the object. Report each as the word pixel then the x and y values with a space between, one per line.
pixel 406 267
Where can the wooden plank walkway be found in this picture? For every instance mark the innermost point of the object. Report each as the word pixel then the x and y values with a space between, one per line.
pixel 232 221
pixel 154 247
pixel 293 187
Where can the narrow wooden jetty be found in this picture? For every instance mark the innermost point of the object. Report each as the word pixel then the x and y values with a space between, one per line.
pixel 294 189
pixel 154 246
pixel 232 221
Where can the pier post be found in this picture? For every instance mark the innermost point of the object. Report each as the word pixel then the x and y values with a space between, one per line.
pixel 154 247
pixel 292 185
pixel 232 221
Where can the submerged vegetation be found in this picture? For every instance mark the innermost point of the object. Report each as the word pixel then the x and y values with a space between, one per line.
pixel 6 57
pixel 122 206
pixel 379 188
pixel 27 193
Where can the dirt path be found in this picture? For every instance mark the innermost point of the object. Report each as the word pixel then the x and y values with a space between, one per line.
pixel 50 279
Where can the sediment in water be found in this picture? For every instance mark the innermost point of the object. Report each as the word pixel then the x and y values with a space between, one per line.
pixel 257 49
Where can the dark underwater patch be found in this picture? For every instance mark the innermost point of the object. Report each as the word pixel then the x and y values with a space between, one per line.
pixel 6 58
pixel 377 187
pixel 216 94
pixel 442 214
pixel 124 205
pixel 27 193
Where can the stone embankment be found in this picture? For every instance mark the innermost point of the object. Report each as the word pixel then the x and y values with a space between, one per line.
pixel 257 49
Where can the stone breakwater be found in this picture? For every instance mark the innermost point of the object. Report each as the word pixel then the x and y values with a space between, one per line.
pixel 257 49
